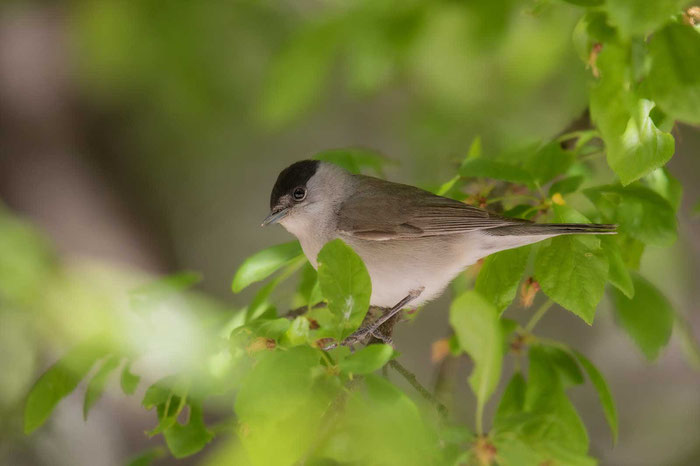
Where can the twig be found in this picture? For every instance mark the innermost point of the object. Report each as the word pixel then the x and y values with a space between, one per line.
pixel 538 315
pixel 294 313
pixel 411 379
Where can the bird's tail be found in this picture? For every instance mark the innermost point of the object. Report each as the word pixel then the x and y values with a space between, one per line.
pixel 553 229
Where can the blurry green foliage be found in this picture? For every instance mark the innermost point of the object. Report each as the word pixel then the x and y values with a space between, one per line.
pixel 294 402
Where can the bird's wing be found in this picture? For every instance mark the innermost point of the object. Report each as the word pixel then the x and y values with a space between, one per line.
pixel 382 210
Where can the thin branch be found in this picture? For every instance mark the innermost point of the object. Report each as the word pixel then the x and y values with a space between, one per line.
pixel 538 315
pixel 294 313
pixel 411 379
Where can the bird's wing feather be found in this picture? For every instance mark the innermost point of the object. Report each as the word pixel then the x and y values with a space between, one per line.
pixel 381 210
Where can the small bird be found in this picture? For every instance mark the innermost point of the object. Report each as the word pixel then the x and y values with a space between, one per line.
pixel 413 242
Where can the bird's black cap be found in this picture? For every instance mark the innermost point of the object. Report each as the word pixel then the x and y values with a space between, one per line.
pixel 297 174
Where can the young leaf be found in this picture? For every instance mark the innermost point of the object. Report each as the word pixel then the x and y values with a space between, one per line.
pixel 129 381
pixel 566 366
pixel 309 290
pixel 635 146
pixel 647 318
pixel 58 382
pixel 641 148
pixel 572 274
pixel 666 185
pixel 545 396
pixel 640 212
pixel 298 331
pixel 345 284
pixel 476 324
pixel 512 402
pixel 283 398
pixel 499 276
pixel 674 78
pixel 367 360
pixel 269 328
pixel 97 384
pixel 264 263
pixel 188 439
pixel 147 457
pixel 618 274
pixel 639 18
pixel 604 394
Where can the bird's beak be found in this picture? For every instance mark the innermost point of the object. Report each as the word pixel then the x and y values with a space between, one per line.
pixel 275 216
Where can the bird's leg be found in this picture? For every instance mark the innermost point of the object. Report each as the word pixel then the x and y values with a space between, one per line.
pixel 371 329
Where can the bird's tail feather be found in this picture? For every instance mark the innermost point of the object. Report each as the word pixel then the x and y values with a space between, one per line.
pixel 553 229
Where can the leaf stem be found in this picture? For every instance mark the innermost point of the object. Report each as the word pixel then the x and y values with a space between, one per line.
pixel 480 418
pixel 538 315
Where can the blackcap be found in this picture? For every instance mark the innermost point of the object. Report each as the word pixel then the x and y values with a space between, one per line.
pixel 413 242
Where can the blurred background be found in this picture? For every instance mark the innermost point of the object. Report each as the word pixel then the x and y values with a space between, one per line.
pixel 138 138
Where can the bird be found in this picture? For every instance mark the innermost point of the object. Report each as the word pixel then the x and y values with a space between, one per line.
pixel 412 242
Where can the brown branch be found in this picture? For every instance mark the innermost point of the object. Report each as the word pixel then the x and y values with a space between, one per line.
pixel 411 379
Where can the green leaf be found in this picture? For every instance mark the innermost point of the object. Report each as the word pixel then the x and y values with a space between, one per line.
pixel 298 72
pixel 367 360
pixel 567 185
pixel 444 188
pixel 260 303
pixel 565 364
pixel 188 439
pixel 283 398
pixel 572 274
pixel 169 396
pixel 618 274
pixel 269 328
pixel 639 18
pixel 567 214
pixel 264 263
pixel 477 326
pixel 604 394
pixel 535 423
pixel 309 290
pixel 480 167
pixel 97 384
pixel 545 396
pixel 147 457
pixel 345 283
pixel 355 160
pixel 674 78
pixel 500 275
pixel 512 402
pixel 548 162
pixel 298 331
pixel 666 185
pixel 640 212
pixel 647 318
pixel 58 382
pixel 129 381
pixel 634 145
pixel 641 148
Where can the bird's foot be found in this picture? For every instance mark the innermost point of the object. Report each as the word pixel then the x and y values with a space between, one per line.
pixel 373 329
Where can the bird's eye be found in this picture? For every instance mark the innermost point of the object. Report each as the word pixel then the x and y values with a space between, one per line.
pixel 299 194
